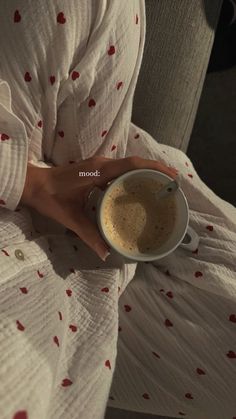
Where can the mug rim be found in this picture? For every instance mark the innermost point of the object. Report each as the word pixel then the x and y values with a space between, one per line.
pixel 139 258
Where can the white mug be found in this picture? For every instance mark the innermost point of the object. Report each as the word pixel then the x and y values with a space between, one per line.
pixel 182 235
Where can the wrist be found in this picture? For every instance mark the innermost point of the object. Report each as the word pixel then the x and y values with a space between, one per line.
pixel 35 178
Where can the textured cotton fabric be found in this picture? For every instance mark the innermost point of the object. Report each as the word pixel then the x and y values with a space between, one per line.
pixel 78 334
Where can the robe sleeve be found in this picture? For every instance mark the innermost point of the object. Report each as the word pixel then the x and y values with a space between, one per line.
pixel 13 151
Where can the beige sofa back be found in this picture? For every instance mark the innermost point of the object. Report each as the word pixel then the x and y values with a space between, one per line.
pixel 179 39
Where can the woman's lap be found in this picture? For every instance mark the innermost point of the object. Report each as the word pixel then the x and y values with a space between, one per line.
pixel 177 317
pixel 176 340
pixel 176 348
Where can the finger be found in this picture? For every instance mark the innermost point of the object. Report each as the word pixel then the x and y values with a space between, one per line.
pixel 90 234
pixel 117 167
pixel 74 219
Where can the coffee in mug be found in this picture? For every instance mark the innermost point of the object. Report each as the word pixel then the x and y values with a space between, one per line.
pixel 139 227
pixel 134 219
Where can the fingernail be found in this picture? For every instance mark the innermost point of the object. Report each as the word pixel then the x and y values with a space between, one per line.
pixel 104 256
pixel 174 170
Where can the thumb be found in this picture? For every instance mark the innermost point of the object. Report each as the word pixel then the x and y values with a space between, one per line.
pixel 90 234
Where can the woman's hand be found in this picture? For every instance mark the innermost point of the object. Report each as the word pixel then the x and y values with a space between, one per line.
pixel 61 194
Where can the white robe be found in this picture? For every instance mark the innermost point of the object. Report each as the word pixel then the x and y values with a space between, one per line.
pixel 68 72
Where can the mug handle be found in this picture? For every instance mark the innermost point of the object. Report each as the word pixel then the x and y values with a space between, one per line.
pixel 190 240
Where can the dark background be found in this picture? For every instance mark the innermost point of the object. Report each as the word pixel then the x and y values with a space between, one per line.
pixel 212 146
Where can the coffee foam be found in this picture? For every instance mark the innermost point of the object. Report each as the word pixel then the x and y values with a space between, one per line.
pixel 134 220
